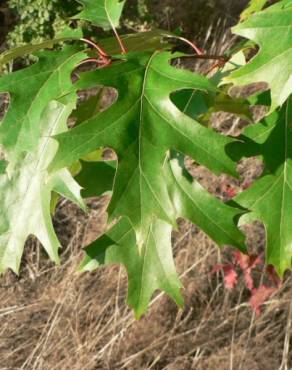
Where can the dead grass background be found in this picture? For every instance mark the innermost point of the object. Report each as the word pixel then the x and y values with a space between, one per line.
pixel 52 318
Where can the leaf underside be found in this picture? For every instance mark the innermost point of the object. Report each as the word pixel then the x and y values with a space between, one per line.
pixel 25 183
pixel 25 193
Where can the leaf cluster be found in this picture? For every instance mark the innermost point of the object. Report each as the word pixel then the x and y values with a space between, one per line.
pixel 160 116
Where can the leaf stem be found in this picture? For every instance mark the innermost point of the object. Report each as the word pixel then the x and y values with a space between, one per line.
pixel 100 62
pixel 101 52
pixel 192 45
pixel 122 46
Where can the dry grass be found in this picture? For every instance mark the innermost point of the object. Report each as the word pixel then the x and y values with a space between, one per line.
pixel 53 318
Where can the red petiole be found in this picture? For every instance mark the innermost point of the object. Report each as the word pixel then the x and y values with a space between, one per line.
pixel 192 45
pixel 100 51
pixel 104 59
pixel 100 62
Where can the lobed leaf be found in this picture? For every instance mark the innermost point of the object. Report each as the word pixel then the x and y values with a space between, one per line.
pixel 26 184
pixel 149 269
pixel 270 198
pixel 254 6
pixel 141 126
pixel 12 54
pixel 30 90
pixel 151 266
pixel 271 29
pixel 142 41
pixel 25 192
pixel 102 13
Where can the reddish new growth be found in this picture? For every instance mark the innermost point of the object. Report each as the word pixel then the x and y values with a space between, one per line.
pixel 245 265
pixel 103 59
pixel 230 275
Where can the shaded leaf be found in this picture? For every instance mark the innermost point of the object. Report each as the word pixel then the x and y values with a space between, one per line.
pixel 96 178
pixel 270 198
pixel 88 108
pixel 140 41
pixel 3 165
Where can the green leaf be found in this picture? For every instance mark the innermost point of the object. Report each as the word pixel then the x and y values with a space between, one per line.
pixel 11 54
pixel 25 191
pixel 101 13
pixel 153 268
pixel 142 41
pixel 191 201
pixel 3 165
pixel 201 105
pixel 141 126
pixel 88 108
pixel 253 7
pixel 270 198
pixel 271 29
pixel 96 178
pixel 68 33
pixel 26 184
pixel 31 89
pixel 150 192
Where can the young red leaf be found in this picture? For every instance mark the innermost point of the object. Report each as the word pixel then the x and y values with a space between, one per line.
pixel 259 296
pixel 230 275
